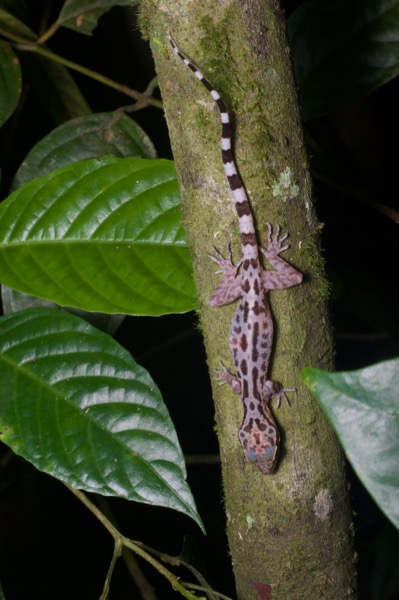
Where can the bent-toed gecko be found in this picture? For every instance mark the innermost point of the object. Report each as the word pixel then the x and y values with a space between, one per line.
pixel 251 333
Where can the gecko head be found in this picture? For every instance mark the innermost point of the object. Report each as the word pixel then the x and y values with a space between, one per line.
pixel 259 437
pixel 263 458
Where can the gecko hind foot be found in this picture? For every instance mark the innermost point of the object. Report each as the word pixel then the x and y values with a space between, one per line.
pixel 273 390
pixel 223 376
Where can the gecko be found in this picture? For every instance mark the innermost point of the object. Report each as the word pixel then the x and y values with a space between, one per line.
pixel 251 331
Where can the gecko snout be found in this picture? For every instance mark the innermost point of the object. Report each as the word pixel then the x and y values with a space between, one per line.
pixel 265 460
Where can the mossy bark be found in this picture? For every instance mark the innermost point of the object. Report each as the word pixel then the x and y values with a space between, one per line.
pixel 290 533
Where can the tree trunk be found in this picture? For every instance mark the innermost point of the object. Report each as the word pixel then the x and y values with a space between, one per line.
pixel 289 532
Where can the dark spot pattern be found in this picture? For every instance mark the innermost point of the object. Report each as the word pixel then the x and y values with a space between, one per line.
pixel 244 343
pixel 226 134
pixel 245 265
pixel 235 182
pixel 243 209
pixel 245 311
pixel 249 427
pixel 255 338
pixel 190 66
pixel 248 239
pixel 258 308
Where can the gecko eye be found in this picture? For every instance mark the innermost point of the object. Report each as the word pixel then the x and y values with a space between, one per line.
pixel 270 452
pixel 251 455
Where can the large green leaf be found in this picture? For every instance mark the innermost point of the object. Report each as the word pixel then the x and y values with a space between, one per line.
pixel 342 50
pixel 100 235
pixel 82 15
pixel 90 136
pixel 76 405
pixel 363 407
pixel 10 81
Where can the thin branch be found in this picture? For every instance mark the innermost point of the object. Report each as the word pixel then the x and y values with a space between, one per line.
pixel 176 561
pixel 120 87
pixel 134 546
pixel 146 590
pixel 115 555
pixel 47 34
pixel 193 586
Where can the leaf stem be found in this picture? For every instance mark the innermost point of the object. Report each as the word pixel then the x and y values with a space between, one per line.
pixel 115 555
pixel 200 588
pixel 142 98
pixel 47 34
pixel 122 541
pixel 177 562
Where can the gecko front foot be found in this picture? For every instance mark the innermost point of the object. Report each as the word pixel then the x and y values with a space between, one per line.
pixel 285 275
pixel 274 242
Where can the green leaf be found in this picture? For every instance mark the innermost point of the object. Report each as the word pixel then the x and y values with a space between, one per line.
pixel 91 136
pixel 55 88
pixel 363 408
pixel 100 235
pixel 10 81
pixel 13 301
pixel 76 405
pixel 11 26
pixel 82 15
pixel 342 51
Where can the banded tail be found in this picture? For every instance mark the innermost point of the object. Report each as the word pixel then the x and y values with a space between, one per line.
pixel 240 198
